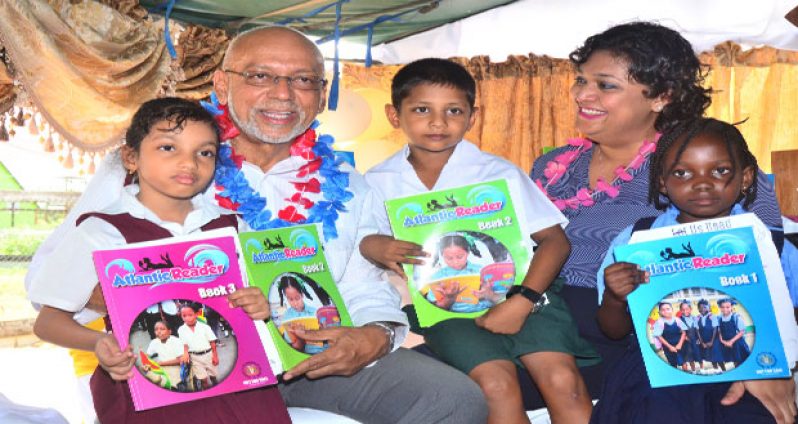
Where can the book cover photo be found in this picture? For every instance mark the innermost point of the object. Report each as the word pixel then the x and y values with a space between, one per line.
pixel 706 314
pixel 289 265
pixel 477 248
pixel 168 300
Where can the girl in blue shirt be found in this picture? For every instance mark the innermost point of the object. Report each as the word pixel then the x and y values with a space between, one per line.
pixel 705 170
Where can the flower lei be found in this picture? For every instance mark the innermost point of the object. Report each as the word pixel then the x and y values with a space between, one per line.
pixel 556 168
pixel 236 194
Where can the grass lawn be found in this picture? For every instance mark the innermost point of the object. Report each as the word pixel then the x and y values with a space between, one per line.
pixel 13 304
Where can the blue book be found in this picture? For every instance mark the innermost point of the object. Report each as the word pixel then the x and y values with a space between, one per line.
pixel 721 274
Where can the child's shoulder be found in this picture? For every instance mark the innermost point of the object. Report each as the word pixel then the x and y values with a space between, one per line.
pixel 393 164
pixel 491 166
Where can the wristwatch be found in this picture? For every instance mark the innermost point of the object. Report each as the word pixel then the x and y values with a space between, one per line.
pixel 390 331
pixel 538 300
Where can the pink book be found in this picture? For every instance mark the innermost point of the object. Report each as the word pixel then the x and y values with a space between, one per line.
pixel 168 296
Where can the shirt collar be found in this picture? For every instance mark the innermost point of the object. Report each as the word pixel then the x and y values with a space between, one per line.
pixel 203 211
pixel 670 215
pixel 465 153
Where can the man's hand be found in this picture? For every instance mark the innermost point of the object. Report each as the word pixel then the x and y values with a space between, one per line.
pixel 350 349
pixel 116 362
pixel 390 253
pixel 507 317
pixel 777 395
pixel 252 301
pixel 97 301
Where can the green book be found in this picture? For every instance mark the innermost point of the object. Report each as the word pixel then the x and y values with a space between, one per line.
pixel 288 264
pixel 477 248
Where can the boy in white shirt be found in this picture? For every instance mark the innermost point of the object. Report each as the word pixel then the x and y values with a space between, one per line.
pixel 167 351
pixel 433 104
pixel 199 346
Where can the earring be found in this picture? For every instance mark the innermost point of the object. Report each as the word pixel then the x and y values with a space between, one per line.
pixel 658 108
pixel 745 191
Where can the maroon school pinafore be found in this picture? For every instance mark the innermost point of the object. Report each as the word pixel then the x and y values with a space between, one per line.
pixel 112 400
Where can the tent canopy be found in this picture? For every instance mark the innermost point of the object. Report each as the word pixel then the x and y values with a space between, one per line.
pixel 408 30
pixel 318 17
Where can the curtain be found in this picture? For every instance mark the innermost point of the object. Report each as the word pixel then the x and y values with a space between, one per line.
pixel 525 104
pixel 759 86
pixel 85 66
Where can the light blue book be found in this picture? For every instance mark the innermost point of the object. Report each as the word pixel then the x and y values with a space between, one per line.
pixel 725 269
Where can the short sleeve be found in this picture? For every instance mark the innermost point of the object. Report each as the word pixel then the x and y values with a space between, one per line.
pixel 789 262
pixel 740 322
pixel 152 348
pixel 659 326
pixel 621 239
pixel 209 333
pixel 66 280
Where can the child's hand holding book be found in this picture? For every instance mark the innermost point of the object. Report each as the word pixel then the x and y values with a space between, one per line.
pixel 252 301
pixel 622 278
pixel 389 253
pixel 117 362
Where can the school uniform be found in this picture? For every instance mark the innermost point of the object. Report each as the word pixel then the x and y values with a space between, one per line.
pixel 627 395
pixel 707 327
pixel 200 351
pixel 728 327
pixel 68 278
pixel 670 330
pixel 690 348
pixel 460 342
pixel 161 351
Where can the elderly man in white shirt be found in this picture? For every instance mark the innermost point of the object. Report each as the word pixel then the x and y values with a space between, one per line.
pixel 272 82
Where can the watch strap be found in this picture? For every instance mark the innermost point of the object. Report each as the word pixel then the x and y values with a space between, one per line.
pixel 390 331
pixel 531 295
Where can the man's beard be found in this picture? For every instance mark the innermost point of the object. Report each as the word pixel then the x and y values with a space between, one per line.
pixel 250 127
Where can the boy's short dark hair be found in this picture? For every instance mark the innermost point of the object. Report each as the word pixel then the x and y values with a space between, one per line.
pixel 432 71
pixel 171 109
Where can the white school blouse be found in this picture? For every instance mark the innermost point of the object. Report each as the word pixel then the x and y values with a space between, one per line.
pixel 395 177
pixel 66 279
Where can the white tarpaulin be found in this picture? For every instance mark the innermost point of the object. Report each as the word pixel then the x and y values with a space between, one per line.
pixel 555 28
